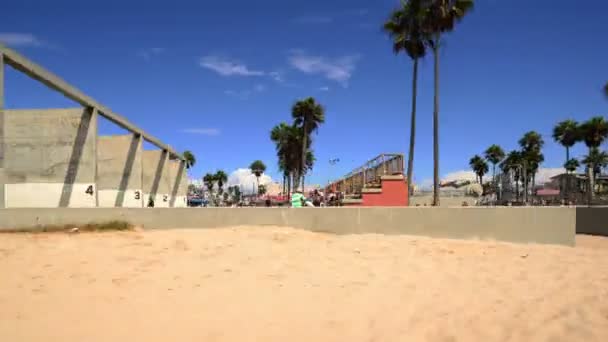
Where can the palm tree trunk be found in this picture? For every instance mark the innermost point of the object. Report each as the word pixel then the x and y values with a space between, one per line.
pixel 304 143
pixel 494 180
pixel 283 183
pixel 567 154
pixel 289 185
pixel 590 188
pixel 436 127
pixel 410 158
pixel 517 190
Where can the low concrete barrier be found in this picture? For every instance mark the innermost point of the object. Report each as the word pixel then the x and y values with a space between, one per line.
pixel 592 221
pixel 522 225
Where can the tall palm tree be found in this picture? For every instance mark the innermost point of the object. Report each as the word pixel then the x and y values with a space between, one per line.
pixel 221 178
pixel 513 163
pixel 566 133
pixel 405 27
pixel 308 115
pixel 531 144
pixel 494 154
pixel 189 159
pixel 258 168
pixel 596 160
pixel 285 138
pixel 593 132
pixel 479 166
pixel 440 16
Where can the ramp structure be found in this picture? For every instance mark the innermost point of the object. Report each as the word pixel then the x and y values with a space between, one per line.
pixel 54 157
pixel 378 182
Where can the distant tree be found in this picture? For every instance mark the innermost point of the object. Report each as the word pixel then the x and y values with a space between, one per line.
pixel 261 189
pixel 209 180
pixel 440 16
pixel 531 144
pixel 494 154
pixel 189 159
pixel 221 178
pixel 593 132
pixel 513 163
pixel 308 115
pixel 566 133
pixel 258 168
pixel 571 165
pixel 479 166
pixel 406 30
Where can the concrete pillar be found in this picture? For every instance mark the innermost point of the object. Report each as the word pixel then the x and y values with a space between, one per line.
pixel 157 183
pixel 119 171
pixel 49 158
pixel 179 191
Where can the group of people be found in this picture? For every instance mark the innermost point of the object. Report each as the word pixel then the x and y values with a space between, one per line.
pixel 315 199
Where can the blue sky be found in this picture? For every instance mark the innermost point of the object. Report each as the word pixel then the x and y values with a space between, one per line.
pixel 214 77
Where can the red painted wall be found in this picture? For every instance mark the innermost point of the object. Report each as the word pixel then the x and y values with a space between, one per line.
pixel 394 194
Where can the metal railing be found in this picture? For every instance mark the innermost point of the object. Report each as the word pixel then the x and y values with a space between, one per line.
pixel 369 174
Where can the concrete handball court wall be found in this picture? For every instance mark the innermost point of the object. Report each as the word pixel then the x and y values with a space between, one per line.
pixel 49 158
pixel 522 225
pixel 119 171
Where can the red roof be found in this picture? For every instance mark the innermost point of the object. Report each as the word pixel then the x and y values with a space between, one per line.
pixel 547 192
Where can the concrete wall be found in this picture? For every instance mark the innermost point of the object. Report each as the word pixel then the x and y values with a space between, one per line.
pixel 119 171
pixel 444 201
pixel 49 158
pixel 157 183
pixel 523 225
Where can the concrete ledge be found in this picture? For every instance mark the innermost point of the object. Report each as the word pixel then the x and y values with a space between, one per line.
pixel 392 177
pixel 521 225
pixel 371 190
pixel 352 201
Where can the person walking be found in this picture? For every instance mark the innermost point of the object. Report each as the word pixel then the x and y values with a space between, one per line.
pixel 297 199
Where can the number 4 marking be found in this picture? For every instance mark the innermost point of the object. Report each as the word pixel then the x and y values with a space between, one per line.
pixel 90 190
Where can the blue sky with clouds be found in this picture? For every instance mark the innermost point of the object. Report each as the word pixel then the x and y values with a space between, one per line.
pixel 214 77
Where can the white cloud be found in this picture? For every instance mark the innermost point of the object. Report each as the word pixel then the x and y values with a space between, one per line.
pixel 246 180
pixel 202 131
pixel 19 39
pixel 338 69
pixel 324 88
pixel 277 76
pixel 148 53
pixel 314 19
pixel 227 67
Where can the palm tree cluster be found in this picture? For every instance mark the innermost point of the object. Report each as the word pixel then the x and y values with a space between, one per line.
pixel 524 163
pixel 415 27
pixel 493 155
pixel 212 180
pixel 294 142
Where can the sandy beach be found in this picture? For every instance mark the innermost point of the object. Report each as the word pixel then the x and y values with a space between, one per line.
pixel 281 284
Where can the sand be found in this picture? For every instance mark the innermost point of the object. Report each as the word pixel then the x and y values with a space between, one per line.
pixel 279 284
